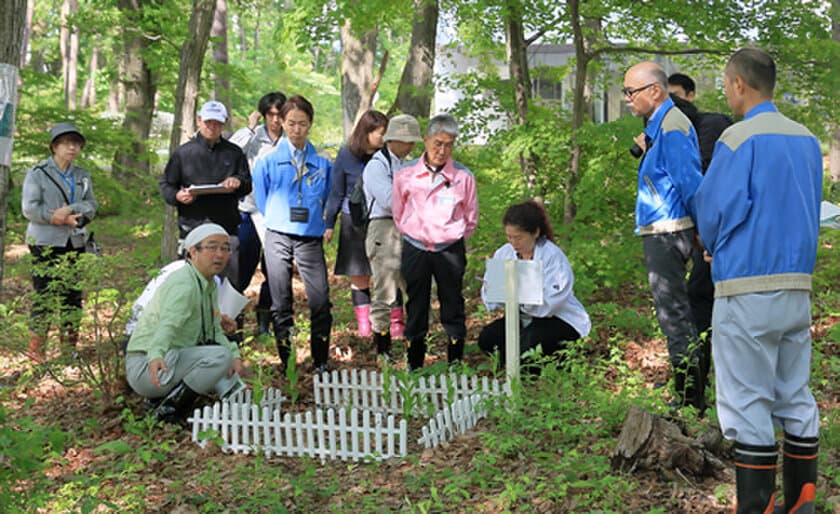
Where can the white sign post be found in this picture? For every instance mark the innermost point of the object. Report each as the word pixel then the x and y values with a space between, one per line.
pixel 514 283
pixel 511 323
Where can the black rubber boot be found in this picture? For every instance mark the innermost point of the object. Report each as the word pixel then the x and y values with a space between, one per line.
pixel 320 347
pixel 690 388
pixel 755 478
pixel 382 340
pixel 284 351
pixel 455 350
pixel 799 474
pixel 263 322
pixel 416 354
pixel 177 405
pixel 282 336
pixel 239 336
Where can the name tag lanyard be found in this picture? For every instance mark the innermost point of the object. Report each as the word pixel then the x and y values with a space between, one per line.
pixel 300 172
pixel 70 180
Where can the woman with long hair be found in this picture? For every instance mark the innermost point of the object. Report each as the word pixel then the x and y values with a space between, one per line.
pixel 367 138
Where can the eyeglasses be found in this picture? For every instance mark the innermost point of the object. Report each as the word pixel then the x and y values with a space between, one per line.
pixel 628 92
pixel 214 248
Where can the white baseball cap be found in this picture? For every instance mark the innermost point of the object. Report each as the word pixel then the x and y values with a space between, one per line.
pixel 213 110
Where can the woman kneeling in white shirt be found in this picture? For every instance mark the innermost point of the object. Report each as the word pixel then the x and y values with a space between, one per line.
pixel 561 317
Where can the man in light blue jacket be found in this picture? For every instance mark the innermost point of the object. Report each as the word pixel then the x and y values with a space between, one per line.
pixel 758 216
pixel 291 185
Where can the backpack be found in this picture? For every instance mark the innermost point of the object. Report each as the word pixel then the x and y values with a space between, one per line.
pixel 359 206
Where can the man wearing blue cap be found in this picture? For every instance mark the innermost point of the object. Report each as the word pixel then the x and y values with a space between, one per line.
pixel 208 159
pixel 178 349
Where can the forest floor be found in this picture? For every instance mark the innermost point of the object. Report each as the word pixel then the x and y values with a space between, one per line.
pixel 179 482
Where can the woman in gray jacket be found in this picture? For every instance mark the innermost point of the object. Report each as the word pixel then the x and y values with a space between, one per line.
pixel 58 201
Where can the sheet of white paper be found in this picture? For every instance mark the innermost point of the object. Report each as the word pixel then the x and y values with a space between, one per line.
pixel 231 302
pixel 829 215
pixel 529 276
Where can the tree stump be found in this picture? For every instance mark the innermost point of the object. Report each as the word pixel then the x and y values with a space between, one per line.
pixel 649 442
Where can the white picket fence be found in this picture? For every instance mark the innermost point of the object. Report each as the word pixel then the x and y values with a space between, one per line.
pixel 355 435
pixel 366 390
pixel 453 420
pixel 352 419
pixel 271 398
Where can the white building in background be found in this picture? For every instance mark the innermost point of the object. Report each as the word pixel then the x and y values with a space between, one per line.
pixel 552 80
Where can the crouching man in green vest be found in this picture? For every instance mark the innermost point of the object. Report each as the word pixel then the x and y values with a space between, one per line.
pixel 178 350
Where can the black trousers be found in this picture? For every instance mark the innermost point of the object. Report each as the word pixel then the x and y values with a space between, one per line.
pixel 281 252
pixel 447 267
pixel 701 291
pixel 54 290
pixel 551 333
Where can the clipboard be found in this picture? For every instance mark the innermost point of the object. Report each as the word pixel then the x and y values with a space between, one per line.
pixel 207 189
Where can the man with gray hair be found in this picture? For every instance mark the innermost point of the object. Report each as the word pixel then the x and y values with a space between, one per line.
pixel 668 176
pixel 178 349
pixel 435 208
pixel 758 215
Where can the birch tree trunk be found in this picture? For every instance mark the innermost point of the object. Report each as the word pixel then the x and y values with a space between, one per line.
pixel 218 33
pixel 183 126
pixel 12 22
pixel 357 59
pixel 69 46
pixel 89 91
pixel 27 33
pixel 414 95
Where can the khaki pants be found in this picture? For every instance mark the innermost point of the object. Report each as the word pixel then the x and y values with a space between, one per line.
pixel 200 367
pixel 384 251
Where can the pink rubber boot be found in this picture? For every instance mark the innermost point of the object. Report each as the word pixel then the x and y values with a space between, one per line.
pixel 397 323
pixel 362 320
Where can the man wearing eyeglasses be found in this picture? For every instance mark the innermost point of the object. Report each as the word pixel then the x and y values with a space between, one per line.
pixel 178 349
pixel 669 174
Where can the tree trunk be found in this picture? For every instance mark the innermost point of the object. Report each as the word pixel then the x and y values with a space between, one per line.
pixel 12 22
pixel 243 36
pixel 649 442
pixel 139 87
pixel 580 108
pixel 357 59
pixel 415 92
pixel 27 33
pixel 517 56
pixel 183 126
pixel 218 33
pixel 256 38
pixel 69 53
pixel 834 148
pixel 834 156
pixel 89 92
